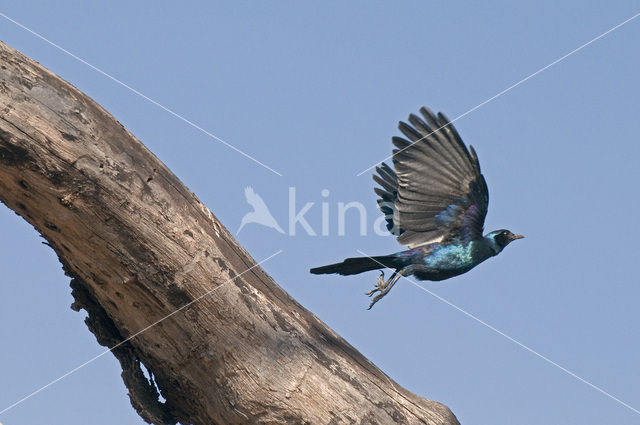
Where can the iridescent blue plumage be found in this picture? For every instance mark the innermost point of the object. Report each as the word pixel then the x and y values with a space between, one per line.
pixel 435 202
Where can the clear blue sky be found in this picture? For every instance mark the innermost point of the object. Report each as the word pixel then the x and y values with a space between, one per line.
pixel 315 92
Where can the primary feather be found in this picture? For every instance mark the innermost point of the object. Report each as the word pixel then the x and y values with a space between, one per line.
pixel 437 191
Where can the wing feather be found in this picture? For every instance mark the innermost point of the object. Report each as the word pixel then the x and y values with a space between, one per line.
pixel 435 190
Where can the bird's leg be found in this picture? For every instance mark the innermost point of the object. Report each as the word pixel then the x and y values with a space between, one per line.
pixel 384 287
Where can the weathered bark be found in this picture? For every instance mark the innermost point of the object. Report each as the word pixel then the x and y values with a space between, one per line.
pixel 139 245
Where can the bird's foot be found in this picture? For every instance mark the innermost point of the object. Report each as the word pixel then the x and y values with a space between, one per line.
pixel 382 287
pixel 379 285
pixel 376 299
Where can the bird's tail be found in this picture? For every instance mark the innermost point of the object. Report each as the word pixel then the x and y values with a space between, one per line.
pixel 358 265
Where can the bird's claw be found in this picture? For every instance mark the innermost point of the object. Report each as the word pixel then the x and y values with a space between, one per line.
pixel 371 292
pixel 376 299
pixel 379 285
pixel 383 287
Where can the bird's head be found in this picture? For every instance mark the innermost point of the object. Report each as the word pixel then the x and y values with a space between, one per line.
pixel 498 239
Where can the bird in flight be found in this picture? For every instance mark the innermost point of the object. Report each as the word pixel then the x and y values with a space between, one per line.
pixel 435 200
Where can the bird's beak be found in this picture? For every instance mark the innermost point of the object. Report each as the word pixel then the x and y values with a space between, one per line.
pixel 517 237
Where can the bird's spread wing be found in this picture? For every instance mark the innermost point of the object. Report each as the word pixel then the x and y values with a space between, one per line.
pixel 436 191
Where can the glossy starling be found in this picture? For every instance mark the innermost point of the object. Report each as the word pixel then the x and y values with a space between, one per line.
pixel 435 202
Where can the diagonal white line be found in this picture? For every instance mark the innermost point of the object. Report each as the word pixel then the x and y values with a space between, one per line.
pixel 175 114
pixel 510 87
pixel 515 341
pixel 134 335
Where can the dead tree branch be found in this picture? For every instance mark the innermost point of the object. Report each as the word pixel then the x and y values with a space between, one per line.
pixel 139 245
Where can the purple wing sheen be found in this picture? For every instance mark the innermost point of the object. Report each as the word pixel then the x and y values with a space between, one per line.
pixel 437 191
